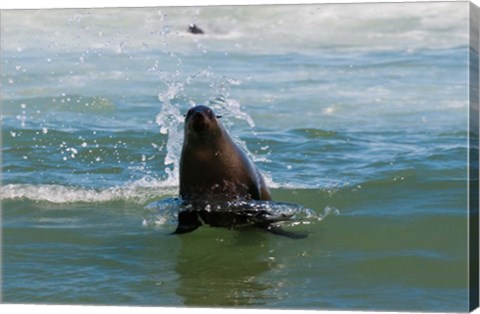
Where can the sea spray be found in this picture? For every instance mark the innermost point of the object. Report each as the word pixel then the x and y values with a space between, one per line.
pixel 165 212
pixel 170 118
pixel 170 121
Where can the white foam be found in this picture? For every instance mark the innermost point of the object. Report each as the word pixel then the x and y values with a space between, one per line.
pixel 139 192
pixel 170 121
pixel 278 28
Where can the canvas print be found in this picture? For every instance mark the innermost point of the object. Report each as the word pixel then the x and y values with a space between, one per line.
pixel 320 156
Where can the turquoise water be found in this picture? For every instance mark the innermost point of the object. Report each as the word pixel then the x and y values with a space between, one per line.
pixel 363 123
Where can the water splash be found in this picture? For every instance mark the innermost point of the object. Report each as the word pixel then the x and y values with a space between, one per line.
pixel 170 118
pixel 162 213
pixel 165 212
pixel 170 121
pixel 174 102
pixel 229 107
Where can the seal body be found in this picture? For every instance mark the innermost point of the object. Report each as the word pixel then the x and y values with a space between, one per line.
pixel 212 166
pixel 217 180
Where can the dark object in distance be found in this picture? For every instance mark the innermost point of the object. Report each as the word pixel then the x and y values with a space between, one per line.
pixel 194 29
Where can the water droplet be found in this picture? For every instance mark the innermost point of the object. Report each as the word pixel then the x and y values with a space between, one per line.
pixel 165 30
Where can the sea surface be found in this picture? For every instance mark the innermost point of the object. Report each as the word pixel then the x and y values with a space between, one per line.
pixel 356 113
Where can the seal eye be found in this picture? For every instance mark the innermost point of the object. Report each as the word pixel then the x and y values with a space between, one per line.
pixel 189 114
pixel 211 114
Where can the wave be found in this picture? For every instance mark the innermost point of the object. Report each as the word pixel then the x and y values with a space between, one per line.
pixel 256 28
pixel 140 192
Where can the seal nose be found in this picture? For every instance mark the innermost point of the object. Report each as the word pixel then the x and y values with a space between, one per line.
pixel 198 121
pixel 197 115
pixel 192 114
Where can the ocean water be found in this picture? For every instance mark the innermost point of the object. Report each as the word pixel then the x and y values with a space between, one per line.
pixel 356 113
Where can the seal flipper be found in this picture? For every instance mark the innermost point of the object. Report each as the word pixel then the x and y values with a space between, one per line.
pixel 187 222
pixel 264 220
pixel 279 231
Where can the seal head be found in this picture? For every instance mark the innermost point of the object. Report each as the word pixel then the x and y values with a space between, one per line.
pixel 212 166
pixel 201 122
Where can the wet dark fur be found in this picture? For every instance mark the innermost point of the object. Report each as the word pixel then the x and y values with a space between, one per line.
pixel 214 168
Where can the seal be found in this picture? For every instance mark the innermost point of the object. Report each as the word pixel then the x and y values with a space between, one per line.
pixel 212 166
pixel 213 169
pixel 194 29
